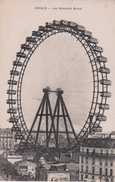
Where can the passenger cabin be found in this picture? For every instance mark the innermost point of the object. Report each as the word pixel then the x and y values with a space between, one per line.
pixel 104 106
pixel 80 28
pixel 30 39
pixel 72 24
pixel 104 70
pixel 55 22
pixel 105 82
pixel 44 29
pixel 12 82
pixel 25 47
pixel 13 72
pixel 21 55
pixel 13 120
pixel 101 118
pixel 97 129
pixel 11 101
pixel 105 94
pixel 11 92
pixel 41 28
pixel 17 63
pixel 12 111
pixel 93 40
pixel 98 49
pixel 87 33
pixel 64 22
pixel 48 24
pixel 36 33
pixel 102 59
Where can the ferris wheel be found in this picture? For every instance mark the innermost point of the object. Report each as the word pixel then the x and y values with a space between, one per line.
pixel 58 87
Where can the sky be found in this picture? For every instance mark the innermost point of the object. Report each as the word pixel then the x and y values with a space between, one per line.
pixel 19 18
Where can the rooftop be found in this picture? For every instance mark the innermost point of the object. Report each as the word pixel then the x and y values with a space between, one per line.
pixel 24 161
pixel 58 164
pixel 5 131
pixel 99 142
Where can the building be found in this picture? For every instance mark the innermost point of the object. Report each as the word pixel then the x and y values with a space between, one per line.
pixel 58 172
pixel 97 158
pixel 74 171
pixel 25 167
pixel 69 157
pixel 6 139
pixel 14 158
pixel 52 172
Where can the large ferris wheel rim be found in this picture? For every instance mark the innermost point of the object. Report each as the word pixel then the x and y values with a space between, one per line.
pixel 39 44
pixel 91 53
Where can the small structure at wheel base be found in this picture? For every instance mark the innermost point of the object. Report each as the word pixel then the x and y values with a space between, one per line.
pixel 26 167
pixel 57 172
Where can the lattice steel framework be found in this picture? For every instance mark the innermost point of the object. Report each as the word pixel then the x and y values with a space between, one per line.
pixel 53 122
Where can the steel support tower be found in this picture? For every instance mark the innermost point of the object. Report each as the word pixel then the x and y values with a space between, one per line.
pixel 56 123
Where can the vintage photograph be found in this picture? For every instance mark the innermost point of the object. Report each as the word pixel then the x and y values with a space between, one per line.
pixel 57 93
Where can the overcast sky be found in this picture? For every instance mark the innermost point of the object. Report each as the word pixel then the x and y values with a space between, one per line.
pixel 19 18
